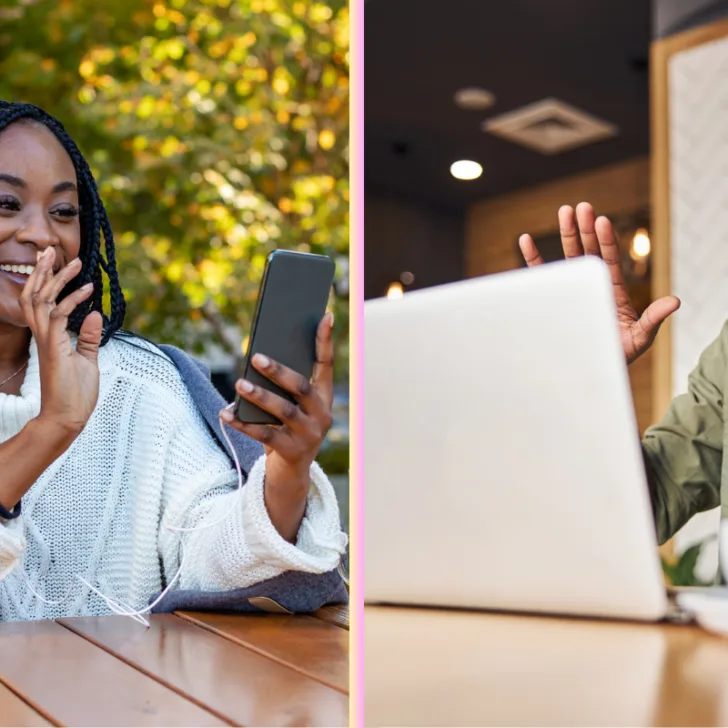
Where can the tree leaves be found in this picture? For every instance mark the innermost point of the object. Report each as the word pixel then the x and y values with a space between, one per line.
pixel 218 131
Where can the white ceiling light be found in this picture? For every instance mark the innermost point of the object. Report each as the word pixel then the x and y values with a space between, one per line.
pixel 466 169
pixel 550 126
pixel 474 99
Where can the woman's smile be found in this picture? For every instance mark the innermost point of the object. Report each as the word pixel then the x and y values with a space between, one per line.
pixel 19 274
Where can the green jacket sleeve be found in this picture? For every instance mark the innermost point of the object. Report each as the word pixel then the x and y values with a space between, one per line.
pixel 684 452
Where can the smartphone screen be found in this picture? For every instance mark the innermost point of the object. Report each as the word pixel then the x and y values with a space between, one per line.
pixel 292 301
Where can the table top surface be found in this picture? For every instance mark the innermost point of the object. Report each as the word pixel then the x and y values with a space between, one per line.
pixel 187 669
pixel 450 668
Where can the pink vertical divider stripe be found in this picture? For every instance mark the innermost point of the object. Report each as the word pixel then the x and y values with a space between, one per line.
pixel 356 368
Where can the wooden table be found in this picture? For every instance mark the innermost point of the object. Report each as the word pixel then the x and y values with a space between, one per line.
pixel 447 668
pixel 188 669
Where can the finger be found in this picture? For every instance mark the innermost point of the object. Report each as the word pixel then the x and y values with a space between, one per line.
pixel 58 315
pixel 654 316
pixel 529 251
pixel 293 382
pixel 610 252
pixel 34 283
pixel 323 370
pixel 89 337
pixel 287 412
pixel 271 437
pixel 56 283
pixel 585 220
pixel 570 241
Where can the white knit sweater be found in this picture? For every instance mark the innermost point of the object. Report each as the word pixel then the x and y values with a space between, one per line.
pixel 146 459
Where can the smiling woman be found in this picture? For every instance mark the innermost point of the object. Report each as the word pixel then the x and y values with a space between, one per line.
pixel 128 473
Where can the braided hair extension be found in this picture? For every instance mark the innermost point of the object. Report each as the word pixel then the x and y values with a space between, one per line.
pixel 93 222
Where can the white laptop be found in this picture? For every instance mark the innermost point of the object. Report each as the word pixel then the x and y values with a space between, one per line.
pixel 503 467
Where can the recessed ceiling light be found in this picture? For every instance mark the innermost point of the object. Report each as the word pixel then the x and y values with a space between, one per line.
pixel 466 169
pixel 474 99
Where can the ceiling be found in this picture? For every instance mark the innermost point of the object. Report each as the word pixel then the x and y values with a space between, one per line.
pixel 591 54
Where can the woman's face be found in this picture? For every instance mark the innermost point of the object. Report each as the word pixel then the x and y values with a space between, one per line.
pixel 38 209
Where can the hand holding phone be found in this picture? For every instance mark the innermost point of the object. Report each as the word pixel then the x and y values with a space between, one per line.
pixel 292 301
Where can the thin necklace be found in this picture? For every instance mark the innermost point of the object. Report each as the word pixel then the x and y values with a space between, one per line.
pixel 12 376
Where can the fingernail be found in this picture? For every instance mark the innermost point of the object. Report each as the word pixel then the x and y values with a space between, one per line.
pixel 245 385
pixel 226 415
pixel 87 287
pixel 330 317
pixel 262 361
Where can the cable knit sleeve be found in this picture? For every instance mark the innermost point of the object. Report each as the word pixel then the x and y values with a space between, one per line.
pixel 237 545
pixel 12 544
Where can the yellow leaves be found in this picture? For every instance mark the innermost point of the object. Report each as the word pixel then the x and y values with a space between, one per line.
pixel 146 107
pixel 220 88
pixel 170 146
pixel 326 139
pixel 203 86
pixel 213 274
pixel 329 77
pixel 159 10
pixel 248 39
pixel 281 86
pixel 86 94
pixel 281 20
pixel 333 105
pixel 87 68
pixel 283 117
pixel 191 77
pixel 139 143
pixel 127 239
pixel 320 13
pixel 218 49
pixel 299 9
pixel 176 17
pixel 175 48
pixel 243 88
pixel 285 205
pixel 174 271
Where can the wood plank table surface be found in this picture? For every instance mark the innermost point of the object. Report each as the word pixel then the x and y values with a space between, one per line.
pixel 450 668
pixel 187 669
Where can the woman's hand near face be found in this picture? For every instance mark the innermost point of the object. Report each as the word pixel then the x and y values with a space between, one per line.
pixel 292 447
pixel 69 378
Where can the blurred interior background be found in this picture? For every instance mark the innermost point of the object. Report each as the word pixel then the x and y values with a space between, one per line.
pixel 481 119
pixel 218 131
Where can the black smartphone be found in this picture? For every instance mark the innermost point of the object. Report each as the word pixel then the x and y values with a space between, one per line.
pixel 292 301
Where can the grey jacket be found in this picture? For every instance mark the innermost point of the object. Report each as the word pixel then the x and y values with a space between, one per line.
pixel 289 592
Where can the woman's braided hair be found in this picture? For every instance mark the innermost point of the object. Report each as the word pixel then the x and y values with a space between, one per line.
pixel 93 222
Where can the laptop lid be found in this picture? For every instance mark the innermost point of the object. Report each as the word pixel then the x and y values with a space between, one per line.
pixel 503 467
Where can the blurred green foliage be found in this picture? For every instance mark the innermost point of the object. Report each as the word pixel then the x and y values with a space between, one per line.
pixel 218 131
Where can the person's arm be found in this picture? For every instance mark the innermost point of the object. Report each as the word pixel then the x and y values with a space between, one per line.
pixel 69 390
pixel 244 546
pixel 26 456
pixel 684 453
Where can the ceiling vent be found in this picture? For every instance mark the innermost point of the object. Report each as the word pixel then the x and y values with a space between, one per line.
pixel 550 127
